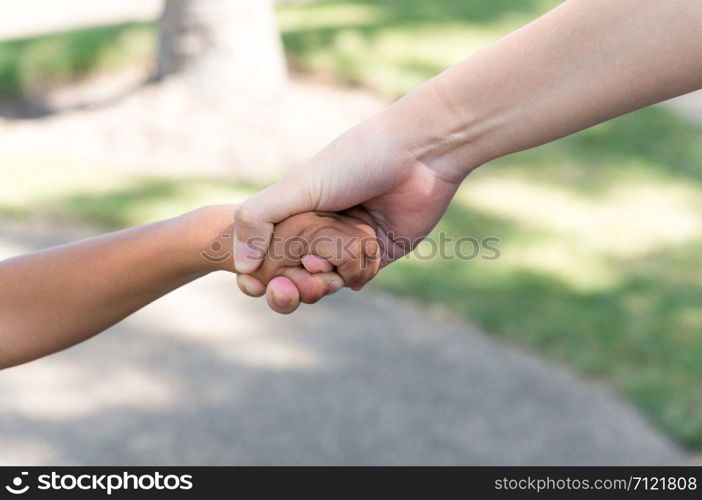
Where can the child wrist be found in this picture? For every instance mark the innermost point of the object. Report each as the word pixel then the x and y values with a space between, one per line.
pixel 209 235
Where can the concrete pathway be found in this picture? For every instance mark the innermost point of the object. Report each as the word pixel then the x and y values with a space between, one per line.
pixel 207 376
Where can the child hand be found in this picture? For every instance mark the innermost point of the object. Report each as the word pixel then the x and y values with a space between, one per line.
pixel 316 242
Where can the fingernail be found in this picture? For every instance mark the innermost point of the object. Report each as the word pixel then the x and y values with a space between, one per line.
pixel 247 287
pixel 246 258
pixel 281 301
pixel 334 286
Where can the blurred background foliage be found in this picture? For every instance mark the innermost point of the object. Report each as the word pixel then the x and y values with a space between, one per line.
pixel 29 64
pixel 600 233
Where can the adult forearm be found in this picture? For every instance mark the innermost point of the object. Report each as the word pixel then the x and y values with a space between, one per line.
pixel 583 63
pixel 52 299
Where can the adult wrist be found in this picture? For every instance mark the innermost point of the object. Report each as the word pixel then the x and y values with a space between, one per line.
pixel 441 134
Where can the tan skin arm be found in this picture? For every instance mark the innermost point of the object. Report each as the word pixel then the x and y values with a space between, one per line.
pixel 52 299
pixel 55 298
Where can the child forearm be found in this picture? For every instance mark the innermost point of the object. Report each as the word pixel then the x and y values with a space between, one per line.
pixel 52 299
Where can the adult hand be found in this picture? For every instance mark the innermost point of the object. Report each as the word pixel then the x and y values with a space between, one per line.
pixel 580 64
pixel 371 171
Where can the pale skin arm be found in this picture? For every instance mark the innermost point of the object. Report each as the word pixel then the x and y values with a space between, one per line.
pixel 583 63
pixel 55 298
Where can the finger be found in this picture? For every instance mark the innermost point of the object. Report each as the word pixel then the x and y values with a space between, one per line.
pixel 370 261
pixel 250 286
pixel 313 287
pixel 316 264
pixel 358 262
pixel 282 295
pixel 255 218
pixel 352 267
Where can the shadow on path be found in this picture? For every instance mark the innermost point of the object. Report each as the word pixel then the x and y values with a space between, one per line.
pixel 206 376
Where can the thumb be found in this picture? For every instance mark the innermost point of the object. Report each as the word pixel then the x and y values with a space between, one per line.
pixel 255 218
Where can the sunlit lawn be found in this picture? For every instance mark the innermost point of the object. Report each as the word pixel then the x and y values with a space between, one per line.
pixel 30 64
pixel 600 267
pixel 103 196
pixel 393 45
pixel 600 233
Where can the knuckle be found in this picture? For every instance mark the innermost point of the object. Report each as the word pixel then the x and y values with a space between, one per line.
pixel 372 249
pixel 246 217
pixel 353 276
pixel 354 248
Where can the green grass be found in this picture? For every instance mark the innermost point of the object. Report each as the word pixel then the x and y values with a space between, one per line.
pixel 394 45
pixel 388 45
pixel 37 187
pixel 33 63
pixel 601 260
pixel 600 233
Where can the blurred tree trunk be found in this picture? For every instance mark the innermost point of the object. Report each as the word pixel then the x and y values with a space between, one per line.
pixel 225 45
